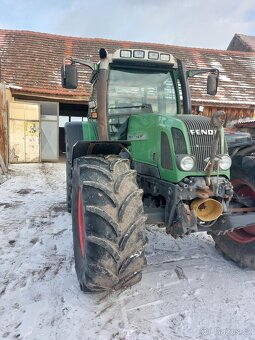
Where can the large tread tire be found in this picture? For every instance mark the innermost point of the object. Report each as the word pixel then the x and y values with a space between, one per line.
pixel 110 253
pixel 243 254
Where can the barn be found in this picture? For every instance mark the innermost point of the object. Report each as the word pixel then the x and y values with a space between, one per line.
pixel 34 107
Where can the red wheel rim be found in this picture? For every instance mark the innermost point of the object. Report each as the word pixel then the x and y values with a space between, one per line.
pixel 244 235
pixel 81 223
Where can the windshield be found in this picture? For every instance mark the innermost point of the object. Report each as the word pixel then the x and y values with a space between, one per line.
pixel 136 91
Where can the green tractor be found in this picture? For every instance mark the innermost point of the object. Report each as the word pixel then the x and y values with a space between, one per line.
pixel 141 158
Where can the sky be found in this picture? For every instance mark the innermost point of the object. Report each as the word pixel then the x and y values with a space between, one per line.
pixel 194 23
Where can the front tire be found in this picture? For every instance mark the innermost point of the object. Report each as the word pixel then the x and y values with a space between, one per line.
pixel 108 223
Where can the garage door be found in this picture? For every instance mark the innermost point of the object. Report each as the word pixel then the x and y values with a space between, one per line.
pixel 49 138
pixel 24 132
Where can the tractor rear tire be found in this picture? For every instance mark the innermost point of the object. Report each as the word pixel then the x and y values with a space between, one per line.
pixel 108 223
pixel 239 245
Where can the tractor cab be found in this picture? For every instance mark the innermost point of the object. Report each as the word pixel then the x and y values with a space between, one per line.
pixel 134 90
pixel 142 82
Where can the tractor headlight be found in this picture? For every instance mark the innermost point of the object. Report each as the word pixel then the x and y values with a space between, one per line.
pixel 225 162
pixel 185 163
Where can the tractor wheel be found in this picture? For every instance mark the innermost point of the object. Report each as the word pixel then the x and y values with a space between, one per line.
pixel 239 245
pixel 108 223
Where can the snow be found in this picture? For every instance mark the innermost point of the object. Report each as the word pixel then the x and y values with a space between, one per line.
pixel 188 290
pixel 218 65
pixel 224 77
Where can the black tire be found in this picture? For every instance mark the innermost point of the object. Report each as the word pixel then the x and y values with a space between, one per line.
pixel 109 249
pixel 243 254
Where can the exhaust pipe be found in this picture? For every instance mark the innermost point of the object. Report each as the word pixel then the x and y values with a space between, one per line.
pixel 102 95
pixel 207 209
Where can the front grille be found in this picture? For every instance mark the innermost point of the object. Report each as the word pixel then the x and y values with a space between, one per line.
pixel 201 145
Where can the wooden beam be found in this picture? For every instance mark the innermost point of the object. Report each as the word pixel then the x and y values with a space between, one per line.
pixel 2 165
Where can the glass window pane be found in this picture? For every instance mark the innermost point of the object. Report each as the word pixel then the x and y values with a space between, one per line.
pixel 63 120
pixel 49 109
pixel 138 91
pixel 76 119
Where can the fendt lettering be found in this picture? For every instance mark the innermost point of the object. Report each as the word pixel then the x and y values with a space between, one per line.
pixel 203 132
pixel 117 182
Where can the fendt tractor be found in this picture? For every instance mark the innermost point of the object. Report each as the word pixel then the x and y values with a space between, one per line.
pixel 142 157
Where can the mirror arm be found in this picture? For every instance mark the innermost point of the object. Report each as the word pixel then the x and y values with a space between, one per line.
pixel 90 64
pixel 193 73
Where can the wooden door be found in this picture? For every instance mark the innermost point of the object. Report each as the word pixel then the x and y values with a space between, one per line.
pixel 24 132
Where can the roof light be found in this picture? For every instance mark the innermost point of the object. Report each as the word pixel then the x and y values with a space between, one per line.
pixel 153 55
pixel 138 54
pixel 125 53
pixel 164 57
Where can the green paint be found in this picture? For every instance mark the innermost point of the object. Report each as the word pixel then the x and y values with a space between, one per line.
pixel 89 130
pixel 145 135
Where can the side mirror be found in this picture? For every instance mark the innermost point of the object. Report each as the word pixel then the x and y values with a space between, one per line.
pixel 69 76
pixel 212 84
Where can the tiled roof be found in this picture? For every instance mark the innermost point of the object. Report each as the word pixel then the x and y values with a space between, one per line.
pixel 241 42
pixel 32 61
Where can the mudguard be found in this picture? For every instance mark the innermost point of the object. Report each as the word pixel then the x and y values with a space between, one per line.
pixel 83 148
pixel 73 133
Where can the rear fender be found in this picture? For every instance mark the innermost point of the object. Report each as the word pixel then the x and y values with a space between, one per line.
pixel 73 133
pixel 85 148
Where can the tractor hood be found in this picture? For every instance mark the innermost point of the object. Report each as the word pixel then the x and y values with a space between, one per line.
pixel 163 142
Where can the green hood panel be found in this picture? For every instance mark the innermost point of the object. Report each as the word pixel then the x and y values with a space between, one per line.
pixel 148 135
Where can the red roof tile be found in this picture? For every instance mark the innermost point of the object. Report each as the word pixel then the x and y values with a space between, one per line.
pixel 33 60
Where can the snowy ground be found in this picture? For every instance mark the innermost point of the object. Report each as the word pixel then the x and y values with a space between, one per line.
pixel 188 290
